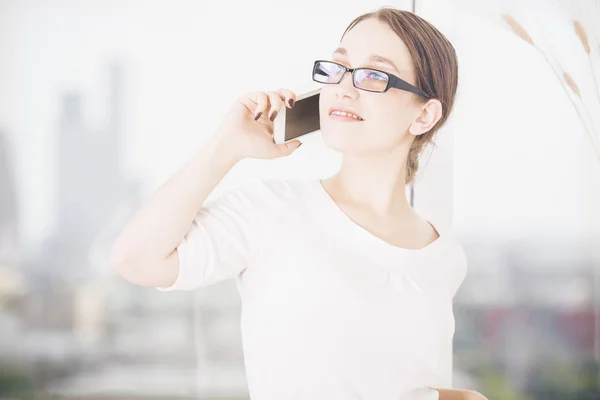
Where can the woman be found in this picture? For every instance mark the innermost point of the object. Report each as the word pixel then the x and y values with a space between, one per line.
pixel 346 291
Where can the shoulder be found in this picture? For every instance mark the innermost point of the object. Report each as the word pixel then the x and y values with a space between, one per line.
pixel 284 189
pixel 451 257
pixel 265 194
pixel 458 265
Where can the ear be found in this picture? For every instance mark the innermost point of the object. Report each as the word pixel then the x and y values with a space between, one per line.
pixel 431 113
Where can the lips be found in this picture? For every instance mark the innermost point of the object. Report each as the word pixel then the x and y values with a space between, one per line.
pixel 345 112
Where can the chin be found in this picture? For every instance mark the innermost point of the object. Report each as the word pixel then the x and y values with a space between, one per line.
pixel 356 141
pixel 342 141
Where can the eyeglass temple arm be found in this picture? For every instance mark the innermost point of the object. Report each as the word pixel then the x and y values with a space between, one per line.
pixel 401 84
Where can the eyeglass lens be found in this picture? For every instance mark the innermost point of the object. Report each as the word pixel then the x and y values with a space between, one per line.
pixel 364 78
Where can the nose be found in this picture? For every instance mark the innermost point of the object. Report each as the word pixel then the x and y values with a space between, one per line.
pixel 346 88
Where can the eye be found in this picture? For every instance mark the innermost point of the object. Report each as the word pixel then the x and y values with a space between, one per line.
pixel 376 76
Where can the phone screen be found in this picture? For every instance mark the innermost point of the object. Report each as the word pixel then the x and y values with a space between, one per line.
pixel 303 118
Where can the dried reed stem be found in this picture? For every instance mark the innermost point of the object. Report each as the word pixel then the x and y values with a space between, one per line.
pixel 571 83
pixel 522 33
pixel 517 28
pixel 582 35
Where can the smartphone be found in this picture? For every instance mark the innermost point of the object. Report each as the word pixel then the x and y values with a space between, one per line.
pixel 300 120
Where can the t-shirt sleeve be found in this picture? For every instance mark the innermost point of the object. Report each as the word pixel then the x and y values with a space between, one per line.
pixel 223 239
pixel 459 272
pixel 445 374
pixel 456 279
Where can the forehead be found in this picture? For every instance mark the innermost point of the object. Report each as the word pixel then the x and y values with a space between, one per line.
pixel 372 36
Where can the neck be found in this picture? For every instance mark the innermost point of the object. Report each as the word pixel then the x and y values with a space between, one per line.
pixel 375 182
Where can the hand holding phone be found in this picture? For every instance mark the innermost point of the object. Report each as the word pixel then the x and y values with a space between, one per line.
pixel 247 129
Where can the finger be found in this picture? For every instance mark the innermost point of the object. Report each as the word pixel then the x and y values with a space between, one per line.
pixel 262 103
pixel 288 96
pixel 285 149
pixel 275 104
pixel 248 103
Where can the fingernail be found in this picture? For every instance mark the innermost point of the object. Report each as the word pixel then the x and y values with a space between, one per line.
pixel 257 116
pixel 272 117
pixel 299 144
pixel 291 102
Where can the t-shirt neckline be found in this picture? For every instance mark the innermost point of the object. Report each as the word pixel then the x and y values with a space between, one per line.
pixel 342 218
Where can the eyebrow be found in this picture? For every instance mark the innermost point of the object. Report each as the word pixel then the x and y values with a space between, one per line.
pixel 373 58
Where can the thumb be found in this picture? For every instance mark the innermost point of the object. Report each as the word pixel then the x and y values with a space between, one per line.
pixel 286 149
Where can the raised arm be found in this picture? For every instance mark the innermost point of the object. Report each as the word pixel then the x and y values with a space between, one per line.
pixel 146 251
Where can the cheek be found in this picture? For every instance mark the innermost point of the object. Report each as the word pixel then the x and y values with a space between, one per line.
pixel 388 120
pixel 385 122
pixel 391 119
pixel 326 99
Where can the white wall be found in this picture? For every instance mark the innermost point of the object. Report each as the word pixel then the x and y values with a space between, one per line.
pixel 523 164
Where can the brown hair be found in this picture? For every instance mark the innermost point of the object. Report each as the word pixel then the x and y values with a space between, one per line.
pixel 435 63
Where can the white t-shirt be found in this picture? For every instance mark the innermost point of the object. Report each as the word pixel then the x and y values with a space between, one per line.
pixel 329 310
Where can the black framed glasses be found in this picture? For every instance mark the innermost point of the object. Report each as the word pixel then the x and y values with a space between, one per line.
pixel 371 80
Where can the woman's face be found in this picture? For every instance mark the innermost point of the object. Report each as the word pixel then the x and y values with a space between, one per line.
pixel 386 117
